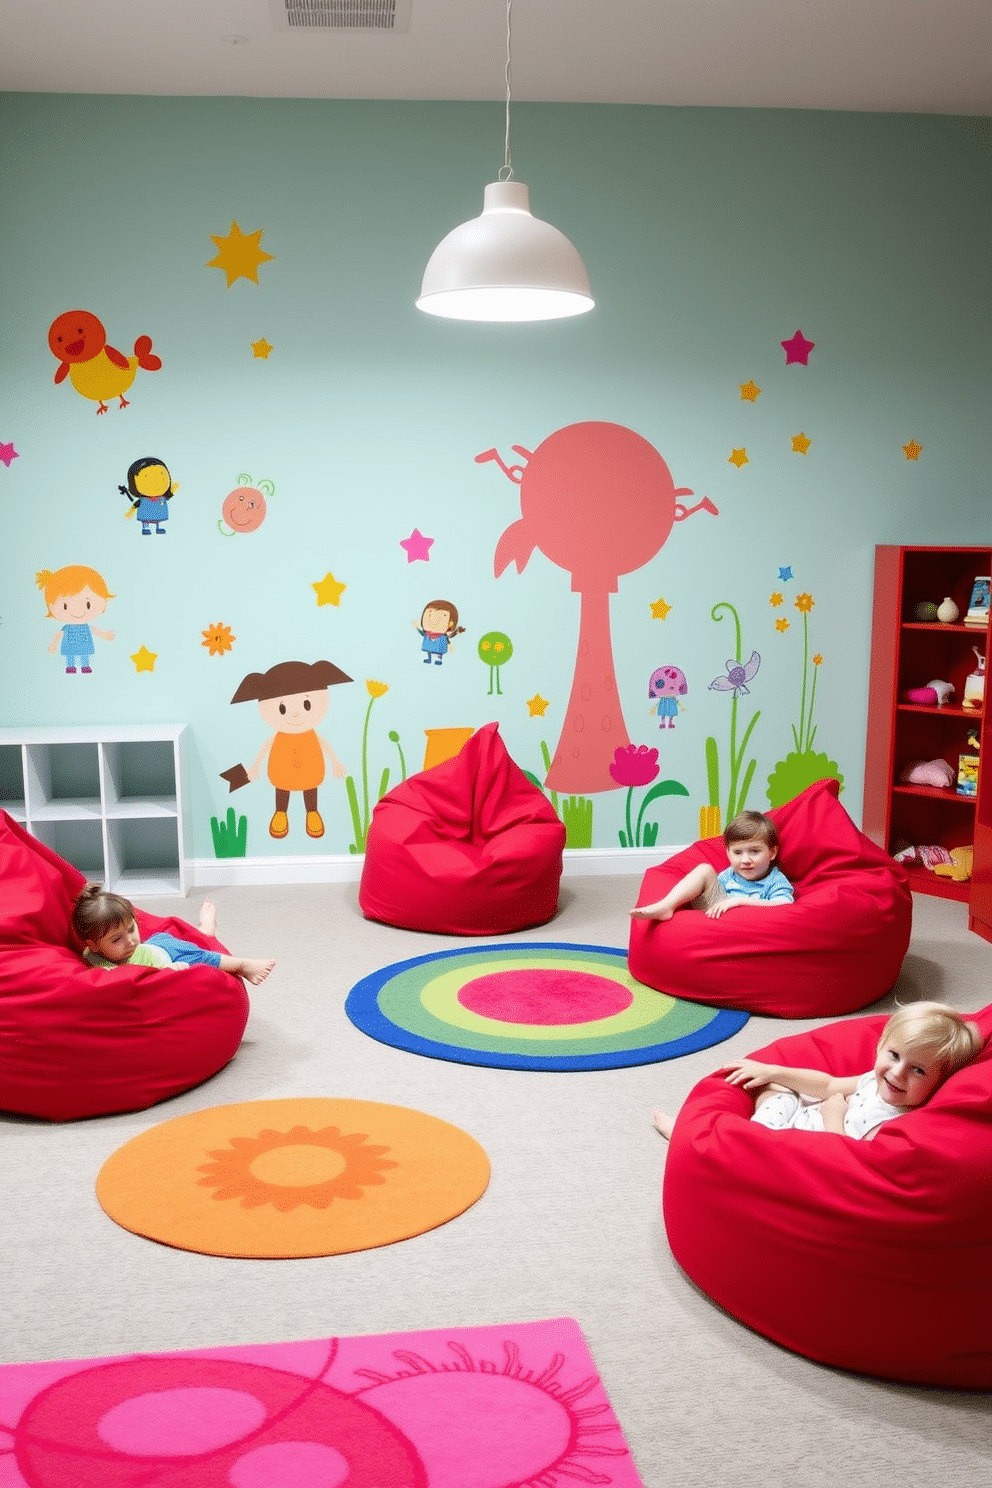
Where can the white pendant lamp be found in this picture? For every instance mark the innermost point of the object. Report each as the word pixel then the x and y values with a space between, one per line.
pixel 505 264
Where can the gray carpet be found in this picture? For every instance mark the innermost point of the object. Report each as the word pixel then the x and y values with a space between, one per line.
pixel 569 1226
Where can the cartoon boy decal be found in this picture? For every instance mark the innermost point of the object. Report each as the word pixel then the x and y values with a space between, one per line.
pixel 438 628
pixel 75 596
pixel 151 488
pixel 292 699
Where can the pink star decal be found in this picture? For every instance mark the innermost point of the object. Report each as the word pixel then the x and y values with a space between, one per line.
pixel 8 453
pixel 417 546
pixel 797 349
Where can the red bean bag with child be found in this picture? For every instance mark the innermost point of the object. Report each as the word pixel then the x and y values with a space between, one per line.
pixel 78 1041
pixel 469 847
pixel 874 1256
pixel 836 949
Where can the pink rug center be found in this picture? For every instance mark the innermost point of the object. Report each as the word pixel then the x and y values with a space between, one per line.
pixel 544 994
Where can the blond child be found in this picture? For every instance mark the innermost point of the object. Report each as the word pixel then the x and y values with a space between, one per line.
pixel 752 878
pixel 108 931
pixel 921 1045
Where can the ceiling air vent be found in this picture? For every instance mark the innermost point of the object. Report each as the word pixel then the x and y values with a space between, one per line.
pixel 340 15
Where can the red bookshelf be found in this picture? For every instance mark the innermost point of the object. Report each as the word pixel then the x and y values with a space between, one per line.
pixel 906 653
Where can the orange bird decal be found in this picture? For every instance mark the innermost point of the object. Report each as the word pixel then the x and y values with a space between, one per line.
pixel 96 370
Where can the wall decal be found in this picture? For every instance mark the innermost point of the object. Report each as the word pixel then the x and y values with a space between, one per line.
pixel 239 254
pixel 144 660
pixel 912 450
pixel 797 350
pixel 738 674
pixel 230 836
pixel 74 596
pixel 785 574
pixel 599 501
pixel 360 819
pixel 800 444
pixel 575 811
pixel 638 765
pixel 537 706
pixel 260 350
pixel 660 610
pixel 218 639
pixel 244 508
pixel 418 547
pixel 328 590
pixel 7 454
pixel 97 371
pixel 750 392
pixel 149 488
pixel 802 766
pixel 738 457
pixel 292 698
pixel 666 685
pixel 437 629
pixel 495 650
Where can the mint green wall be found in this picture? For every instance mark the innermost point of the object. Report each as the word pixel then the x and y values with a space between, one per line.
pixel 710 236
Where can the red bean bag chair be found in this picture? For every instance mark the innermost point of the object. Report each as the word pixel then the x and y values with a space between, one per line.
pixel 77 1041
pixel 838 948
pixel 469 847
pixel 872 1256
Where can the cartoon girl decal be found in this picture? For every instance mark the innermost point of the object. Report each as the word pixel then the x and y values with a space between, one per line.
pixel 438 627
pixel 151 488
pixel 292 699
pixel 75 595
pixel 666 685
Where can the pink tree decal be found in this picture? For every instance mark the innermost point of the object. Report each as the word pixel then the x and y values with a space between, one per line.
pixel 599 501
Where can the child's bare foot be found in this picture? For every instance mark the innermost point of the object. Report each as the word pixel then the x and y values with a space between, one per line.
pixel 208 917
pixel 652 912
pixel 254 971
pixel 664 1123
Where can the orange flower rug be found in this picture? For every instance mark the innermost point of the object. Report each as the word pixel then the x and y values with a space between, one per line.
pixel 284 1178
pixel 521 1403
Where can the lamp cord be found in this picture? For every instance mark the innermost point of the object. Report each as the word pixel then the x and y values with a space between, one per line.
pixel 507 166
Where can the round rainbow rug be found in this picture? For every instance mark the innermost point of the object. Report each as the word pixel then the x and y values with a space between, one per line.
pixel 538 1005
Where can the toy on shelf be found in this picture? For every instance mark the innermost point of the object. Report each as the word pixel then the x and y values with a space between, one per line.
pixel 923 857
pixel 958 870
pixel 947 611
pixel 926 611
pixel 978 606
pixel 967 775
pixel 936 772
pixel 974 685
pixel 936 694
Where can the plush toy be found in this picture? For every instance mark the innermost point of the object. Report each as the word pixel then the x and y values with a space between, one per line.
pixel 936 694
pixel 935 772
pixel 958 870
pixel 925 857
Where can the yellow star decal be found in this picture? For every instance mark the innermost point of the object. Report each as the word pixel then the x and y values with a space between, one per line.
pixel 536 706
pixel 144 660
pixel 738 457
pixel 782 625
pixel 239 254
pixel 775 599
pixel 659 610
pixel 750 392
pixel 912 450
pixel 800 444
pixel 328 590
pixel 261 349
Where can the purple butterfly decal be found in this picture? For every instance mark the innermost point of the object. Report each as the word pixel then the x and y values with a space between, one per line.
pixel 737 677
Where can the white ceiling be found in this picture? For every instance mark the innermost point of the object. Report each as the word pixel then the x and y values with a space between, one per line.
pixel 918 56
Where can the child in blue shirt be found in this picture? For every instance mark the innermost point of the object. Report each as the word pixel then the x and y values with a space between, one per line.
pixel 752 878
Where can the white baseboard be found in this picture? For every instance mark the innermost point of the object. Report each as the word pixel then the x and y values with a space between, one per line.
pixel 584 862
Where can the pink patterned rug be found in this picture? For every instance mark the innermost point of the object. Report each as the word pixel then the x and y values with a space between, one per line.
pixel 517 1404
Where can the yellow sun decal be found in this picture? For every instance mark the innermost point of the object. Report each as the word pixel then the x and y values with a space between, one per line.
pixel 299 1166
pixel 218 639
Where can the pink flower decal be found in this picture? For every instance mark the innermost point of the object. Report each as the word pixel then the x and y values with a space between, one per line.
pixel 635 764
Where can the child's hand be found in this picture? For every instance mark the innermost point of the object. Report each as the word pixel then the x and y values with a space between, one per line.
pixel 750 1074
pixel 722 905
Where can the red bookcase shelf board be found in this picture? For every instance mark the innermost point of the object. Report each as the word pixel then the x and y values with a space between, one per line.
pixel 909 649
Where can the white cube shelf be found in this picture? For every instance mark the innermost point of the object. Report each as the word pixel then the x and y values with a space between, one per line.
pixel 107 799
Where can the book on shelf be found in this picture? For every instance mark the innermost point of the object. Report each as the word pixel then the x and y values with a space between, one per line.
pixel 977 615
pixel 967 775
